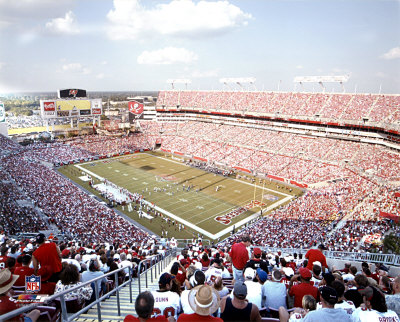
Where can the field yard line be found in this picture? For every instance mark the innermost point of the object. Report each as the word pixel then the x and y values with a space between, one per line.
pixel 281 193
pixel 186 223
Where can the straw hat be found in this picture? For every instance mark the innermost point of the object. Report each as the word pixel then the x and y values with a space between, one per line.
pixel 7 280
pixel 204 300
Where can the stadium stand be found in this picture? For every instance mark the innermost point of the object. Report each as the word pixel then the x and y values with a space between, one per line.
pixel 351 201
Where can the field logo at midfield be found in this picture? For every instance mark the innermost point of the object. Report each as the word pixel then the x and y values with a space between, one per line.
pixel 226 219
pixel 169 178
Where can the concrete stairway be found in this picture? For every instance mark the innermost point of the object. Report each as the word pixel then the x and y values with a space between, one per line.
pixel 109 307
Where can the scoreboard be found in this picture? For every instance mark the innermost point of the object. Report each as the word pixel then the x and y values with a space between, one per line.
pixel 59 108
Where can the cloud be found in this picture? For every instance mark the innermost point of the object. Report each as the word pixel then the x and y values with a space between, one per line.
pixel 299 67
pixel 167 56
pixel 100 76
pixel 130 19
pixel 20 13
pixel 392 54
pixel 76 68
pixel 66 25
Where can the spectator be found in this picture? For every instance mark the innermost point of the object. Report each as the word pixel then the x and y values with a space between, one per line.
pixel 167 303
pixel 328 313
pixel 144 306
pixel 48 257
pixel 220 287
pixel 304 288
pixel 69 278
pixel 255 296
pixel 393 301
pixel 314 255
pixel 308 304
pixel 204 301
pixel 375 307
pixel 239 257
pixel 256 262
pixel 23 270
pixel 316 274
pixel 274 292
pixel 238 309
pixel 93 272
pixel 198 278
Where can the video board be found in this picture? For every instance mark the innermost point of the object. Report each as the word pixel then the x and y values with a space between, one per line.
pixel 60 108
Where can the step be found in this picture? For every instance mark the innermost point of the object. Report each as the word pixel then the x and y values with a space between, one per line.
pixel 109 307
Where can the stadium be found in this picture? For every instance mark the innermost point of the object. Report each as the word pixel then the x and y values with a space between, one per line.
pixel 210 168
pixel 200 160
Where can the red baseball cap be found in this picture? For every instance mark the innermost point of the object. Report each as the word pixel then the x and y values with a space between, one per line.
pixel 305 273
pixel 257 251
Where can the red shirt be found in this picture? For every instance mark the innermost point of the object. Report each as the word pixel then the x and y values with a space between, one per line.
pixel 239 255
pixel 315 255
pixel 299 290
pixel 196 317
pixel 3 262
pixel 22 272
pixel 8 304
pixel 131 318
pixel 47 255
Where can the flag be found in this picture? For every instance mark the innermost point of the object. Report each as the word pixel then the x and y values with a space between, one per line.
pixel 135 107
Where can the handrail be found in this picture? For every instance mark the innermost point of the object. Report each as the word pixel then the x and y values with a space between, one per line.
pixel 388 259
pixel 159 259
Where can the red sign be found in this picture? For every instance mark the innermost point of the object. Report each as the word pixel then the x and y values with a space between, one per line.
pixel 135 107
pixel 388 215
pixel 96 111
pixel 49 106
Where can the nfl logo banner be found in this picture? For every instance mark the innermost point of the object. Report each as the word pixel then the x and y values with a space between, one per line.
pixel 32 283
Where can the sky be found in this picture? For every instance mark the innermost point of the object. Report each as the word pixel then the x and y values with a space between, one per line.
pixel 137 45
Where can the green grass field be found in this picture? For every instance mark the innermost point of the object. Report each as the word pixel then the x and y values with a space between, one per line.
pixel 201 210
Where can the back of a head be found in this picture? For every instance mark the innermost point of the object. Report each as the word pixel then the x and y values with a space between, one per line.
pixel 353 270
pixel 309 303
pixel 375 298
pixel 316 270
pixel 198 278
pixel 26 260
pixel 144 305
pixel 94 265
pixel 3 251
pixel 339 287
pixel 175 268
pixel 246 238
pixel 122 256
pixel 361 280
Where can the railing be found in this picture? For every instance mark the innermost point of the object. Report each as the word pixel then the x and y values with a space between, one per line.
pixel 387 259
pixel 157 260
pixel 155 263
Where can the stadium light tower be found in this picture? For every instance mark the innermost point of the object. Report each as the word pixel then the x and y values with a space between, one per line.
pixel 321 80
pixel 178 81
pixel 240 81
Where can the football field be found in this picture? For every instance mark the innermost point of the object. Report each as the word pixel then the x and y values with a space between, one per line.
pixel 203 202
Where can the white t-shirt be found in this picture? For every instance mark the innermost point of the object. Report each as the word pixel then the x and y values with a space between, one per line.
pixel 254 293
pixel 367 315
pixel 166 303
pixel 186 308
pixel 348 306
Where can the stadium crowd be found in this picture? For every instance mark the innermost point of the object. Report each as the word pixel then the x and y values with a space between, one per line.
pixel 355 107
pixel 240 280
